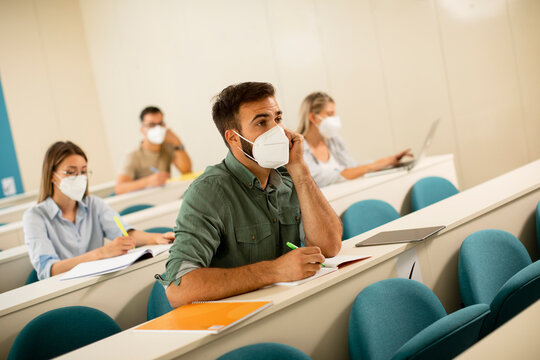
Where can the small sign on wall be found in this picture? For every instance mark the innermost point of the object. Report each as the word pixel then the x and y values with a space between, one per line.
pixel 408 266
pixel 8 186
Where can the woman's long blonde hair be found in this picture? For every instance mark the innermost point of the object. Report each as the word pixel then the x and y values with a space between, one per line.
pixel 56 153
pixel 313 103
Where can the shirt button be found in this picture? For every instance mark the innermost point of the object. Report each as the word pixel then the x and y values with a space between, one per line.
pixel 252 237
pixel 250 184
pixel 297 218
pixel 274 220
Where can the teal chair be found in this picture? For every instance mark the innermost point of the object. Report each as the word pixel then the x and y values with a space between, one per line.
pixel 430 190
pixel 135 208
pixel 62 330
pixel 487 260
pixel 494 268
pixel 32 277
pixel 158 304
pixel 365 215
pixel 404 319
pixel 159 229
pixel 265 351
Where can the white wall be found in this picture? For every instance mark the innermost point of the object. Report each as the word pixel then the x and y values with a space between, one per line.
pixel 392 67
pixel 48 85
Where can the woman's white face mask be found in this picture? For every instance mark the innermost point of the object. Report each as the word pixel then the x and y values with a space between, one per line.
pixel 73 187
pixel 270 149
pixel 156 135
pixel 329 126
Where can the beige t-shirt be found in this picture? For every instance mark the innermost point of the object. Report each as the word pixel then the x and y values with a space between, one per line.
pixel 140 162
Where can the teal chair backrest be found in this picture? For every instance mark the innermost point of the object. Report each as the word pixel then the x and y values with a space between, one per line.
pixel 538 225
pixel 365 215
pixel 430 190
pixel 135 208
pixel 159 229
pixel 59 331
pixel 404 319
pixel 265 351
pixel 32 277
pixel 158 304
pixel 381 306
pixel 487 259
pixel 520 291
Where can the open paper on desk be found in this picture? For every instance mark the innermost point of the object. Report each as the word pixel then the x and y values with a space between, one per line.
pixel 105 266
pixel 332 264
pixel 207 316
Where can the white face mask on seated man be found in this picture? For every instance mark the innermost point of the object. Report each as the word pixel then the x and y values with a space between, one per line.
pixel 156 135
pixel 270 149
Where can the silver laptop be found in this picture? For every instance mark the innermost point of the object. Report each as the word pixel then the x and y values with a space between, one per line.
pixel 409 165
pixel 401 236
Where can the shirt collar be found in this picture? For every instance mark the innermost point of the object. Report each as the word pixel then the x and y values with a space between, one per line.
pixel 246 177
pixel 52 208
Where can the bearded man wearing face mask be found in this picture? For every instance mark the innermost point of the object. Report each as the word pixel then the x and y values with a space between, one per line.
pixel 325 153
pixel 150 164
pixel 232 230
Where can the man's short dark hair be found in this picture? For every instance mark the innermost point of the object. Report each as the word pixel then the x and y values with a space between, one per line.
pixel 150 110
pixel 227 103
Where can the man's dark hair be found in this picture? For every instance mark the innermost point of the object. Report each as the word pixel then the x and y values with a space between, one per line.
pixel 150 110
pixel 227 103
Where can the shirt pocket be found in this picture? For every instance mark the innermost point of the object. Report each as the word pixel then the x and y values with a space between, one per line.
pixel 255 242
pixel 289 220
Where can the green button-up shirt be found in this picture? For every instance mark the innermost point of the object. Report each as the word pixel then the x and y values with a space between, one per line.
pixel 227 220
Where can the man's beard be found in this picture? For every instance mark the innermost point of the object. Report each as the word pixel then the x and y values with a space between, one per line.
pixel 247 148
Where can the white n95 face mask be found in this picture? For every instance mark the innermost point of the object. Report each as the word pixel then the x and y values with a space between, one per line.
pixel 73 187
pixel 330 126
pixel 270 149
pixel 156 135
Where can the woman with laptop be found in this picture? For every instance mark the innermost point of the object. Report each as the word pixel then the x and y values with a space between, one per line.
pixel 68 226
pixel 325 153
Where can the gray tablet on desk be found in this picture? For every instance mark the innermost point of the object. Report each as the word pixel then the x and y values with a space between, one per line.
pixel 401 236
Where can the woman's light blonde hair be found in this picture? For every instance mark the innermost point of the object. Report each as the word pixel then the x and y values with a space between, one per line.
pixel 313 103
pixel 56 153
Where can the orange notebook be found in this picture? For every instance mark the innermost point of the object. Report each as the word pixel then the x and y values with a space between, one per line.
pixel 212 317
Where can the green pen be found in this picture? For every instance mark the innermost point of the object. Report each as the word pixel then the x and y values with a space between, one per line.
pixel 292 246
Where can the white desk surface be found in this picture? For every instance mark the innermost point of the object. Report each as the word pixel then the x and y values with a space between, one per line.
pixel 299 308
pixel 397 185
pixel 516 339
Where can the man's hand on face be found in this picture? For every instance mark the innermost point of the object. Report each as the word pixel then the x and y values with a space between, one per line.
pixel 171 138
pixel 296 152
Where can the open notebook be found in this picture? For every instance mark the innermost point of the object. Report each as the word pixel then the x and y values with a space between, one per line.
pixel 332 264
pixel 210 316
pixel 105 266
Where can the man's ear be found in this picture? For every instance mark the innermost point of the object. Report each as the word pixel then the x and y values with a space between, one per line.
pixel 232 138
pixel 142 130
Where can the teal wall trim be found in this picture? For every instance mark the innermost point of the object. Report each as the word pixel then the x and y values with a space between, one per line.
pixel 10 176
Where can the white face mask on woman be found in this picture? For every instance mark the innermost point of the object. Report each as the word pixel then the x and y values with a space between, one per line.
pixel 270 149
pixel 156 135
pixel 330 126
pixel 73 187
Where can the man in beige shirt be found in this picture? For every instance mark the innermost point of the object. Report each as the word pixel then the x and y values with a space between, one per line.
pixel 150 164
